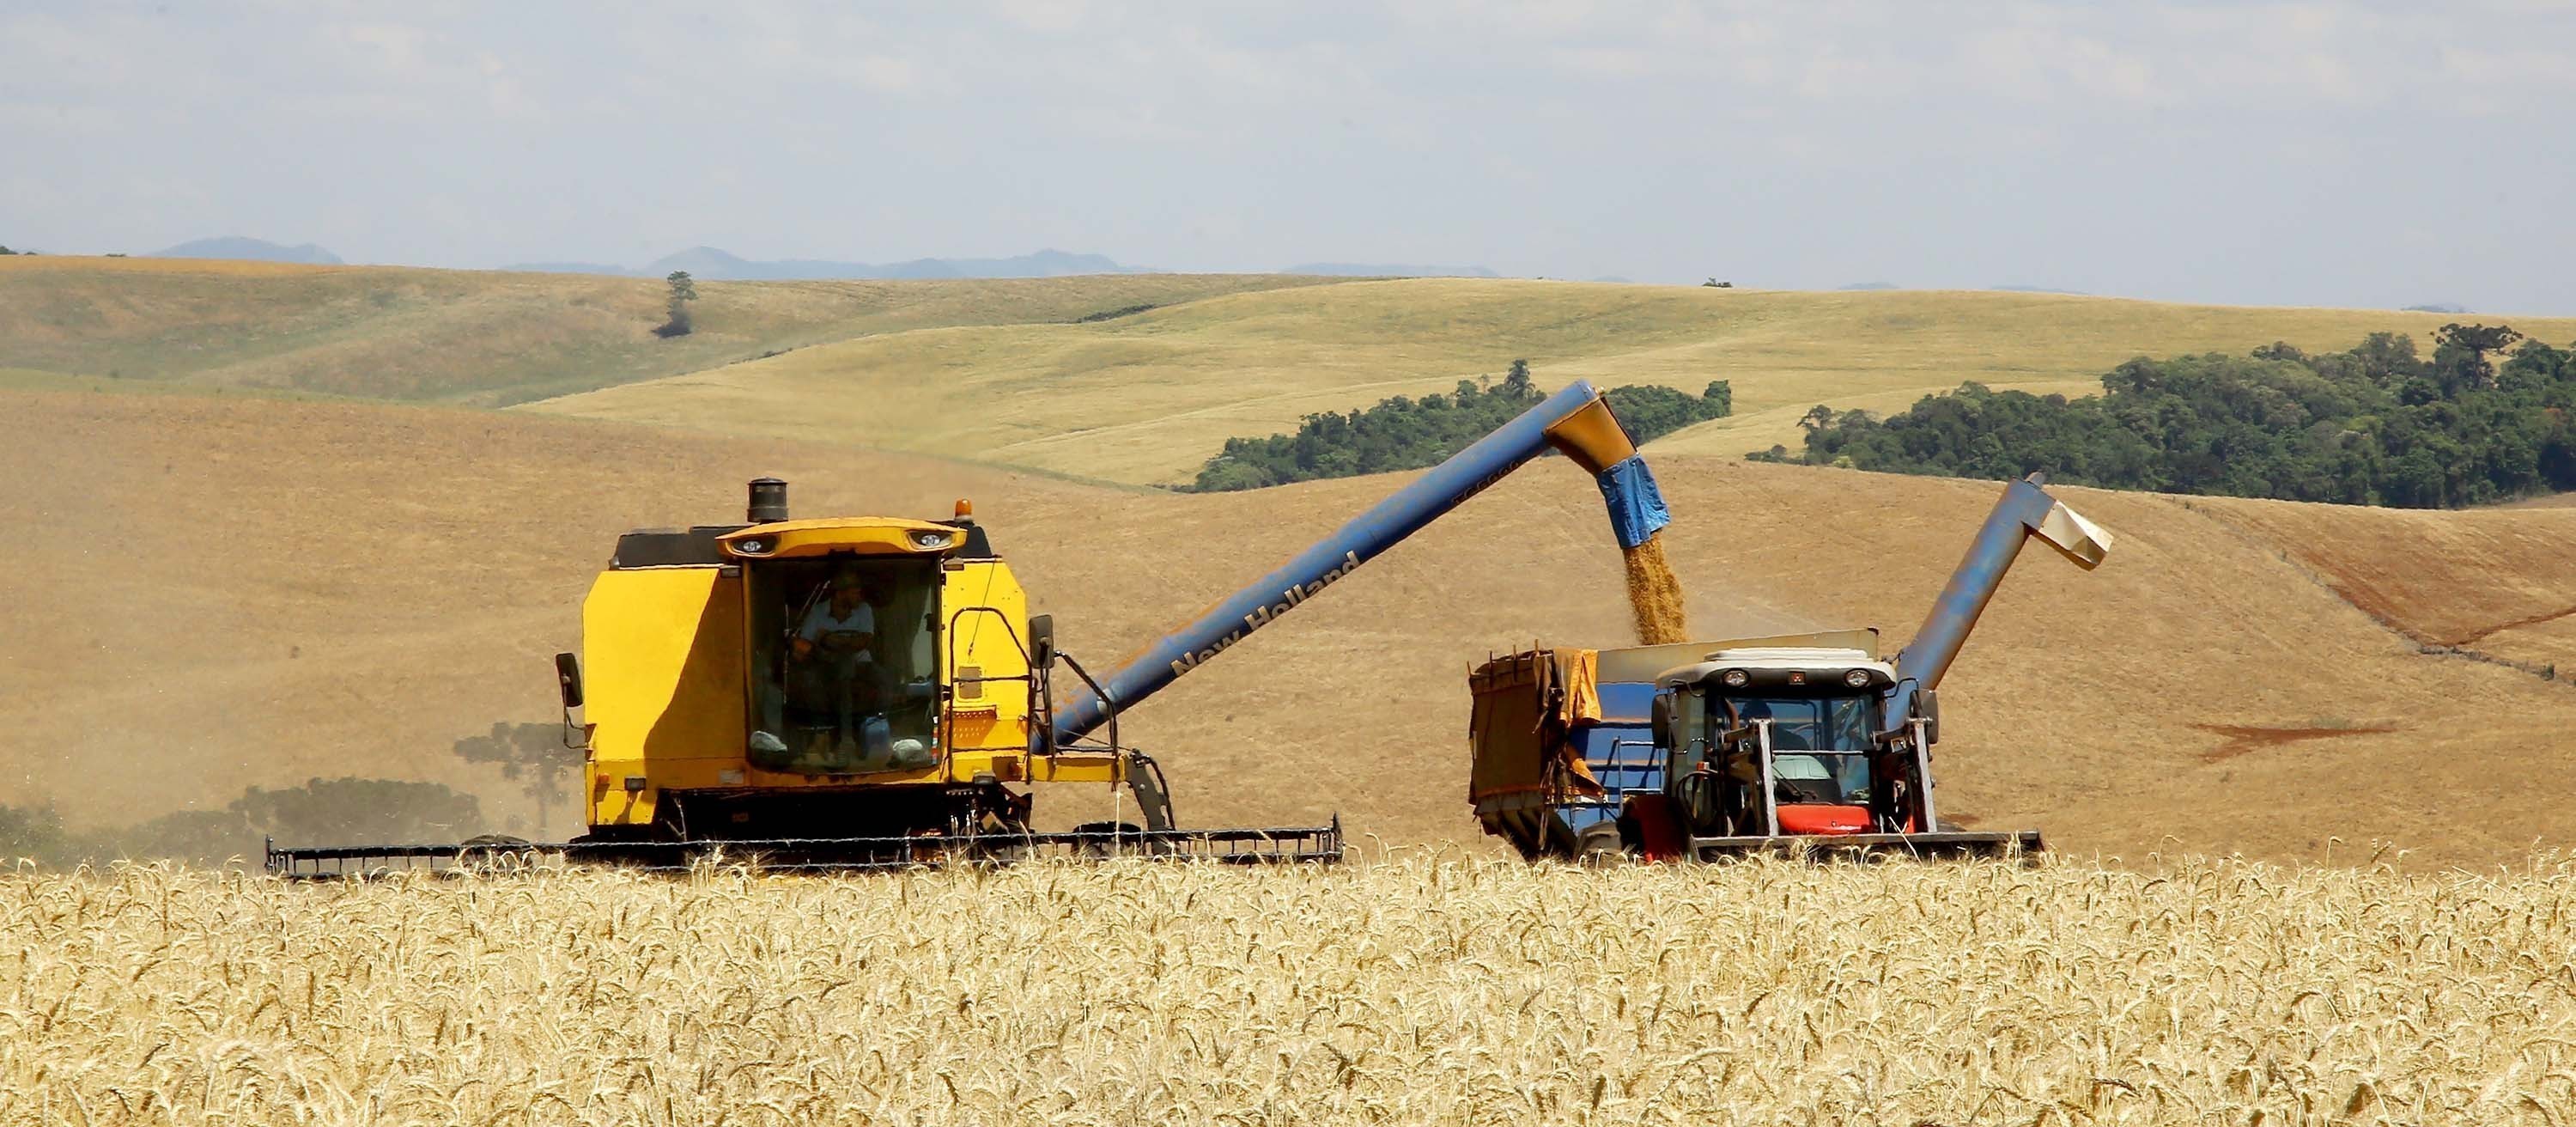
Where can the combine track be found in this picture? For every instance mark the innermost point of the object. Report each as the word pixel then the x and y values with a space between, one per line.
pixel 1310 845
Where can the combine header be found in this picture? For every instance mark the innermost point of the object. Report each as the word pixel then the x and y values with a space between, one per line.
pixel 855 692
pixel 1704 749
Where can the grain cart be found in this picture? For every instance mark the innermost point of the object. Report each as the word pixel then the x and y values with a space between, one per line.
pixel 704 721
pixel 1700 750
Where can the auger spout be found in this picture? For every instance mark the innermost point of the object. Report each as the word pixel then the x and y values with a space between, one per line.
pixel 1576 421
pixel 2024 511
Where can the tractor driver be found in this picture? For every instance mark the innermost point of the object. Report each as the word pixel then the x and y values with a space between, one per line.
pixel 832 657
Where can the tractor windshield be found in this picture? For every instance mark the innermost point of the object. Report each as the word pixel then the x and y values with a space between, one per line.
pixel 1801 725
pixel 1813 723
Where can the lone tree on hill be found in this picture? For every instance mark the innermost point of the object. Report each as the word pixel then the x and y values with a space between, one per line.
pixel 533 754
pixel 683 291
pixel 2460 354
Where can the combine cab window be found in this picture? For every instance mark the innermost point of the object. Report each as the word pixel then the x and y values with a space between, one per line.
pixel 844 680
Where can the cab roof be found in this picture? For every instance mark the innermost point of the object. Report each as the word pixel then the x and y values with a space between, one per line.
pixel 867 536
pixel 713 545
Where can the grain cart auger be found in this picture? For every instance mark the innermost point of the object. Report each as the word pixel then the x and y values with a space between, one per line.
pixel 1705 749
pixel 856 692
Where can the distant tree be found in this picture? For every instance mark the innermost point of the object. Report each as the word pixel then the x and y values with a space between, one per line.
pixel 6 250
pixel 1817 418
pixel 684 290
pixel 1405 433
pixel 2460 353
pixel 361 811
pixel 532 755
pixel 1717 284
pixel 36 834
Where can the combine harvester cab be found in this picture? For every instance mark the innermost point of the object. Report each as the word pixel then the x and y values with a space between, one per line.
pixel 1707 749
pixel 708 721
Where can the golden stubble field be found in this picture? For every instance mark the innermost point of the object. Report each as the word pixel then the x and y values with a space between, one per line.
pixel 1434 989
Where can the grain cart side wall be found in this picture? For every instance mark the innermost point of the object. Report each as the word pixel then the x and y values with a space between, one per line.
pixel 1529 714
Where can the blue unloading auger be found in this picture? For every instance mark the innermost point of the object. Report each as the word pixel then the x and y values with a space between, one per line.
pixel 1576 421
pixel 2024 512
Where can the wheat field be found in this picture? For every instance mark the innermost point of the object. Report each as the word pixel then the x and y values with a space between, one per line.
pixel 1435 987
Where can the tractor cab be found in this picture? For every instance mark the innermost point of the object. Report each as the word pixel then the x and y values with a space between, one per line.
pixel 1771 741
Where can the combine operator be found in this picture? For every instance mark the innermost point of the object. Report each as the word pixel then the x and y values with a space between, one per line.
pixel 832 670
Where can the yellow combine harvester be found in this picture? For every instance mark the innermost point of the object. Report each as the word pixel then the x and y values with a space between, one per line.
pixel 861 691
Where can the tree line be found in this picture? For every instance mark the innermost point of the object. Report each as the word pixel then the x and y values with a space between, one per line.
pixel 1404 433
pixel 342 811
pixel 325 811
pixel 2373 425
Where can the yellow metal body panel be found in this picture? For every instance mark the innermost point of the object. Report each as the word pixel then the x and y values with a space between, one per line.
pixel 867 536
pixel 670 684
pixel 1592 437
pixel 663 668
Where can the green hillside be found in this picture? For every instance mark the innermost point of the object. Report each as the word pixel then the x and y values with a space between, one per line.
pixel 1148 398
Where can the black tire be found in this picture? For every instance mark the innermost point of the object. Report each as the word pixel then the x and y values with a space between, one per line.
pixel 1601 843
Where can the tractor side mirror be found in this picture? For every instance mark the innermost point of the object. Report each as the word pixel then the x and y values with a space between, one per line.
pixel 1660 722
pixel 1927 705
pixel 568 679
pixel 1041 641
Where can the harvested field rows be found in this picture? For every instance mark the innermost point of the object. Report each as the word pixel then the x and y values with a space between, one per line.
pixel 1433 989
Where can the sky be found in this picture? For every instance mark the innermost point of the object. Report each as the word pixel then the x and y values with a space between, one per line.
pixel 2363 154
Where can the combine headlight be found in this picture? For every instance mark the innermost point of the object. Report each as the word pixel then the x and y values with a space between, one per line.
pixel 1735 678
pixel 1857 678
pixel 927 540
pixel 751 547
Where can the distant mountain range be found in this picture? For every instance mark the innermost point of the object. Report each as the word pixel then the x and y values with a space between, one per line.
pixel 716 265
pixel 711 264
pixel 1387 270
pixel 254 250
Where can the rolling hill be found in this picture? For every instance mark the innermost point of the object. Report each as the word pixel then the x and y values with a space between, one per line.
pixel 480 338
pixel 1147 398
pixel 238 592
pixel 1132 378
